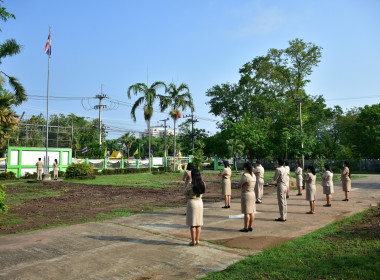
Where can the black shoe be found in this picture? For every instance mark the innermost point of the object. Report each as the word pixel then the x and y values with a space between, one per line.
pixel 229 206
pixel 346 199
pixel 244 230
pixel 287 196
pixel 225 207
pixel 299 193
pixel 258 202
pixel 327 205
pixel 250 229
pixel 280 220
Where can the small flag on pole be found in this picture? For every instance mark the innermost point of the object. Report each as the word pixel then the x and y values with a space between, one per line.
pixel 105 152
pixel 48 45
pixel 137 152
pixel 84 150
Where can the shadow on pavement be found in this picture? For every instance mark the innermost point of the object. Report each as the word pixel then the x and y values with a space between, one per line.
pixel 134 240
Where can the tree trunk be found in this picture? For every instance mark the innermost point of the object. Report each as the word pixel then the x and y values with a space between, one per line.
pixel 150 168
pixel 174 162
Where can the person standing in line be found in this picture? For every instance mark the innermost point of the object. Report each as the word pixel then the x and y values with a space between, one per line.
pixel 299 178
pixel 259 187
pixel 248 207
pixel 327 183
pixel 55 169
pixel 39 165
pixel 287 179
pixel 194 209
pixel 279 177
pixel 187 175
pixel 311 190
pixel 346 179
pixel 225 173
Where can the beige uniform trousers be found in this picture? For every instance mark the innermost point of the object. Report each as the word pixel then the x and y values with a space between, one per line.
pixel 39 173
pixel 281 198
pixel 259 189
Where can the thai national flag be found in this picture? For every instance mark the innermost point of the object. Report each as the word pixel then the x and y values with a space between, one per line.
pixel 48 45
pixel 84 150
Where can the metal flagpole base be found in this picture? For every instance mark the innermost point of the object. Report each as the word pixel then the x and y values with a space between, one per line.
pixel 46 177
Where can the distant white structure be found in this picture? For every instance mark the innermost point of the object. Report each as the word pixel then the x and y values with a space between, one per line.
pixel 158 132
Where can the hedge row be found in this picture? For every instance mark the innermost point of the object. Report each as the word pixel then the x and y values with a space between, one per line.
pixel 7 175
pixel 133 170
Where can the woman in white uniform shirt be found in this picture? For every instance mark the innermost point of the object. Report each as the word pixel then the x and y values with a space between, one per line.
pixel 299 178
pixel 327 183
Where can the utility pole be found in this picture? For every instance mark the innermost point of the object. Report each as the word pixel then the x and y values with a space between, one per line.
pixel 166 147
pixel 192 121
pixel 300 101
pixel 99 107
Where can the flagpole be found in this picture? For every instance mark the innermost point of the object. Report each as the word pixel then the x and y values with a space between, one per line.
pixel 47 116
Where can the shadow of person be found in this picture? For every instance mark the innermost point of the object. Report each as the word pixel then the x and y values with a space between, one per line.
pixel 134 240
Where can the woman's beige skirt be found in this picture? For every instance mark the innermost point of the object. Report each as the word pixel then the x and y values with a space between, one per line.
pixel 346 186
pixel 328 190
pixel 248 200
pixel 311 193
pixel 226 187
pixel 194 212
pixel 299 180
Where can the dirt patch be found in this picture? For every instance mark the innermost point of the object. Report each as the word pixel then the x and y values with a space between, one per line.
pixel 368 227
pixel 83 203
pixel 253 242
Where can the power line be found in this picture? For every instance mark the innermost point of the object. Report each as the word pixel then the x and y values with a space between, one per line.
pixel 192 121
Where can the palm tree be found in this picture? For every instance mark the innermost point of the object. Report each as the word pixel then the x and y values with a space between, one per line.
pixel 128 139
pixel 10 48
pixel 8 99
pixel 149 95
pixel 177 98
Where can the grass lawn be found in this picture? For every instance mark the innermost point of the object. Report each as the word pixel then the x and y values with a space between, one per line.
pixel 141 180
pixel 347 249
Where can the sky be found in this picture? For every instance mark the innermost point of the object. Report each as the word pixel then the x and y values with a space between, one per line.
pixel 114 44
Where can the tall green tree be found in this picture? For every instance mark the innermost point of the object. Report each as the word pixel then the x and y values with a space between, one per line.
pixel 185 137
pixel 253 133
pixel 149 96
pixel 177 98
pixel 227 101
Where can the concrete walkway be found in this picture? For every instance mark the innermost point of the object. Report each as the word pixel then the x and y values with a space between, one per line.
pixel 155 245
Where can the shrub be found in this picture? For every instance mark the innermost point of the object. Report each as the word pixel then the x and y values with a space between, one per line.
pixel 198 158
pixel 3 206
pixel 60 173
pixel 83 170
pixel 7 175
pixel 28 175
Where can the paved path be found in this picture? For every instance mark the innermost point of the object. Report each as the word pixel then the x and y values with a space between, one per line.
pixel 154 245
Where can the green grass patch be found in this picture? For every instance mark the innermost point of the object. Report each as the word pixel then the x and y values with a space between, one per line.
pixel 144 180
pixel 30 194
pixel 8 220
pixel 333 252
